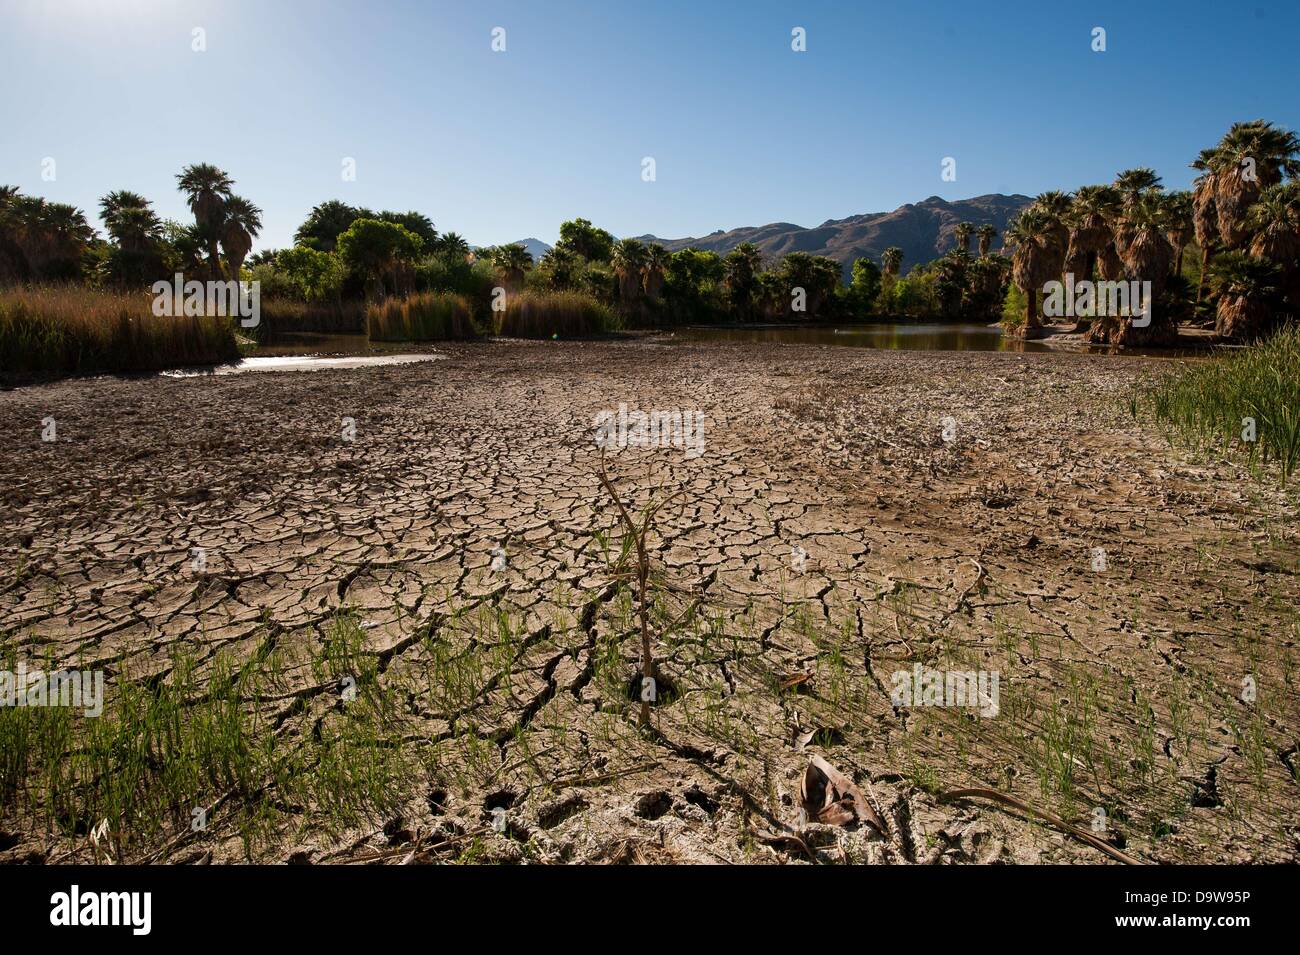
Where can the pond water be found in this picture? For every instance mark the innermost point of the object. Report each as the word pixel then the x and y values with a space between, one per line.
pixel 946 337
pixel 933 337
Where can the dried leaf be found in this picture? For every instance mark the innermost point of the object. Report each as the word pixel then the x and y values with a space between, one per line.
pixel 831 798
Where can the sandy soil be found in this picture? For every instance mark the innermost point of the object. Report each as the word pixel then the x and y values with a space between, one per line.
pixel 836 530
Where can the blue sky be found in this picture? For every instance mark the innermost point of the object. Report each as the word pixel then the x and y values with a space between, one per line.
pixel 743 130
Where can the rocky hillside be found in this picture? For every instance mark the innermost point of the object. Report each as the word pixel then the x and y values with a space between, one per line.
pixel 923 230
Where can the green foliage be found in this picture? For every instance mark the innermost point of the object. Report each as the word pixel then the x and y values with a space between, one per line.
pixel 314 276
pixel 1014 307
pixel 864 288
pixel 583 239
pixel 1206 402
pixel 378 251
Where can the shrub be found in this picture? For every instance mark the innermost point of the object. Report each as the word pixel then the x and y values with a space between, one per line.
pixel 426 316
pixel 1013 309
pixel 68 330
pixel 551 314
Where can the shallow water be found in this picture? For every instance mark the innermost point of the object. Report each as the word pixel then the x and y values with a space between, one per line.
pixel 931 337
pixel 300 363
pixel 955 337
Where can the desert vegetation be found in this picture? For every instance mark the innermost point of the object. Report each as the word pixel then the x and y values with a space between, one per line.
pixel 1225 253
pixel 1242 217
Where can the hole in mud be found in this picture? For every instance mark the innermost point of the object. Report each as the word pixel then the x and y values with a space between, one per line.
pixel 437 802
pixel 664 691
pixel 652 805
pixel 501 799
pixel 396 832
pixel 698 797
pixel 561 810
pixel 8 840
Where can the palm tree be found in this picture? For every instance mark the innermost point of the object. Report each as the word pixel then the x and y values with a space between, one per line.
pixel 891 259
pixel 1056 205
pixel 987 233
pixel 208 188
pixel 1132 185
pixel 452 246
pixel 1205 218
pixel 963 233
pixel 1091 211
pixel 511 262
pixel 1033 237
pixel 1175 214
pixel 1247 287
pixel 326 222
pixel 562 264
pixel 243 221
pixel 1251 157
pixel 130 220
pixel 656 264
pixel 741 270
pixel 628 259
pixel 1275 220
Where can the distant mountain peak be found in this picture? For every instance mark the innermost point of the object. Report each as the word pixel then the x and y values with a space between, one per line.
pixel 923 230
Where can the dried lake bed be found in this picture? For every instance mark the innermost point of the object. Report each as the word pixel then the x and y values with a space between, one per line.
pixel 854 514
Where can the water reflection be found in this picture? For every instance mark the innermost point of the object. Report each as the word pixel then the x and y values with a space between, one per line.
pixel 962 337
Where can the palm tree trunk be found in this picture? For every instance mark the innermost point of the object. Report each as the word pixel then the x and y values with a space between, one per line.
pixel 1205 263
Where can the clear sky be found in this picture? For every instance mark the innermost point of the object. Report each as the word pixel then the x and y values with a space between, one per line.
pixel 743 130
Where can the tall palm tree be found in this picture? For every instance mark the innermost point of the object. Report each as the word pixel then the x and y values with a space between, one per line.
pixel 1032 234
pixel 963 233
pixel 1275 220
pixel 1056 206
pixel 1251 157
pixel 987 233
pixel 1091 212
pixel 130 220
pixel 1148 255
pixel 243 221
pixel 207 188
pixel 1247 288
pixel 741 270
pixel 1205 218
pixel 1175 214
pixel 1132 185
pixel 628 259
pixel 891 259
pixel 656 264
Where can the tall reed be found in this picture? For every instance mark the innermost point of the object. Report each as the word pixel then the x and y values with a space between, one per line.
pixel 1213 403
pixel 425 316
pixel 551 314
pixel 67 329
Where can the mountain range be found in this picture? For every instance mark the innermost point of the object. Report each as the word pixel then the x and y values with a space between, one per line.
pixel 923 230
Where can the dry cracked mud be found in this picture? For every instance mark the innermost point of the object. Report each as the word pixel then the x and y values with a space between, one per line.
pixel 854 514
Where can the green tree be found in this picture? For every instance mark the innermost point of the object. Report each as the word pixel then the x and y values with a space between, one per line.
pixel 580 237
pixel 380 253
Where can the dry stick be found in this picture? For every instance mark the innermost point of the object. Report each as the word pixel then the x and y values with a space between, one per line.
pixel 642 574
pixel 1055 820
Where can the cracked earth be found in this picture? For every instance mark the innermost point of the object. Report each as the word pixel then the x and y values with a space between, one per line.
pixel 835 531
